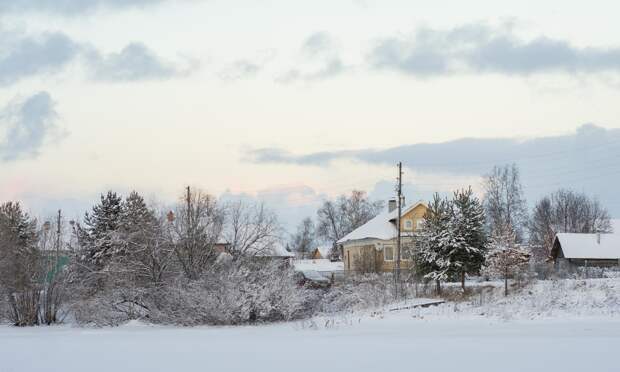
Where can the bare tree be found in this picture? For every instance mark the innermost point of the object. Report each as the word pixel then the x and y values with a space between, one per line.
pixel 196 228
pixel 339 217
pixel 302 241
pixel 506 258
pixel 503 200
pixel 565 211
pixel 251 229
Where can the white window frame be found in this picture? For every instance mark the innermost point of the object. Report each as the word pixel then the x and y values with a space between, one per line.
pixel 408 224
pixel 385 248
pixel 419 224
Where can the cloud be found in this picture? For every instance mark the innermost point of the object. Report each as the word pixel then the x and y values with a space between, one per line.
pixel 467 155
pixel 24 56
pixel 134 62
pixel 586 160
pixel 240 69
pixel 69 7
pixel 27 125
pixel 319 44
pixel 321 59
pixel 478 48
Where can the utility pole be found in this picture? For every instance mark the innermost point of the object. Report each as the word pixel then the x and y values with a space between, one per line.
pixel 58 221
pixel 189 205
pixel 399 207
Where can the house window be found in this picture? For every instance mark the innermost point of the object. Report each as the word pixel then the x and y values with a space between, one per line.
pixel 408 225
pixel 419 224
pixel 405 251
pixel 388 253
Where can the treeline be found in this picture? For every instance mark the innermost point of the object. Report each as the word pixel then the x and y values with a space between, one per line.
pixel 206 261
pixel 496 236
pixel 127 260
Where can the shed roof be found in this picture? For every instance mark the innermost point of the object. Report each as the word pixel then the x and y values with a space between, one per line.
pixel 588 246
pixel 615 226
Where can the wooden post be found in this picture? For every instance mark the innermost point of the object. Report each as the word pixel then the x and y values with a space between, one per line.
pixel 399 196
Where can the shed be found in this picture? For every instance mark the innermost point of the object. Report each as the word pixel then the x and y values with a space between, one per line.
pixel 587 249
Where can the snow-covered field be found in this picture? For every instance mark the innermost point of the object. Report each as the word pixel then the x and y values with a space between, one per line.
pixel 552 326
pixel 396 341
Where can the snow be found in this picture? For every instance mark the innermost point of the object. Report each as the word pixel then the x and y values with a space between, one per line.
pixel 381 227
pixel 563 325
pixel 278 250
pixel 389 342
pixel 322 265
pixel 587 246
pixel 615 226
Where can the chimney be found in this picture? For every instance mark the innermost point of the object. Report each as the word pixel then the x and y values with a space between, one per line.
pixel 391 204
pixel 598 237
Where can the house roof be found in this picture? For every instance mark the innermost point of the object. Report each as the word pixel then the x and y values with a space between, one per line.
pixel 278 249
pixel 321 265
pixel 381 227
pixel 587 246
pixel 615 226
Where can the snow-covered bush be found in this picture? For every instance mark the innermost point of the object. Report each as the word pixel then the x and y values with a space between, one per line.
pixel 360 292
pixel 233 293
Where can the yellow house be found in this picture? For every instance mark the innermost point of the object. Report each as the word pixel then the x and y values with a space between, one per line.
pixel 372 247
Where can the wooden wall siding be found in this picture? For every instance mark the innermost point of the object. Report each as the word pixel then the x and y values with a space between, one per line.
pixel 415 215
pixel 353 253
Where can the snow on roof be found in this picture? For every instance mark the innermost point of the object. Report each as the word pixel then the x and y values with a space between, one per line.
pixel 379 227
pixel 587 246
pixel 615 226
pixel 278 249
pixel 274 248
pixel 322 265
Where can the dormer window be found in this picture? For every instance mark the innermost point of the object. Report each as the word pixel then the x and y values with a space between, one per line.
pixel 408 225
pixel 419 225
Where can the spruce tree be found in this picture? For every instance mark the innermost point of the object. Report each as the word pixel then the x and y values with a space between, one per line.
pixel 468 221
pixel 433 259
pixel 101 232
pixel 20 264
pixel 136 216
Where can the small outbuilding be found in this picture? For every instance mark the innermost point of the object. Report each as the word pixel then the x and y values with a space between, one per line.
pixel 587 249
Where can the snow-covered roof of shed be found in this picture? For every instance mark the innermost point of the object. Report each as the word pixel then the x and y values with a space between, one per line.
pixel 321 265
pixel 615 226
pixel 379 227
pixel 587 246
pixel 278 249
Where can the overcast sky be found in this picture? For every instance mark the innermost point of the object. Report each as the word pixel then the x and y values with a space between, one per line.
pixel 291 102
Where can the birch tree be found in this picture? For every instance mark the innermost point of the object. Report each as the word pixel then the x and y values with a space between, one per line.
pixel 503 201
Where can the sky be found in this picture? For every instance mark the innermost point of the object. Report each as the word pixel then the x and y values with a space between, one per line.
pixel 291 102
